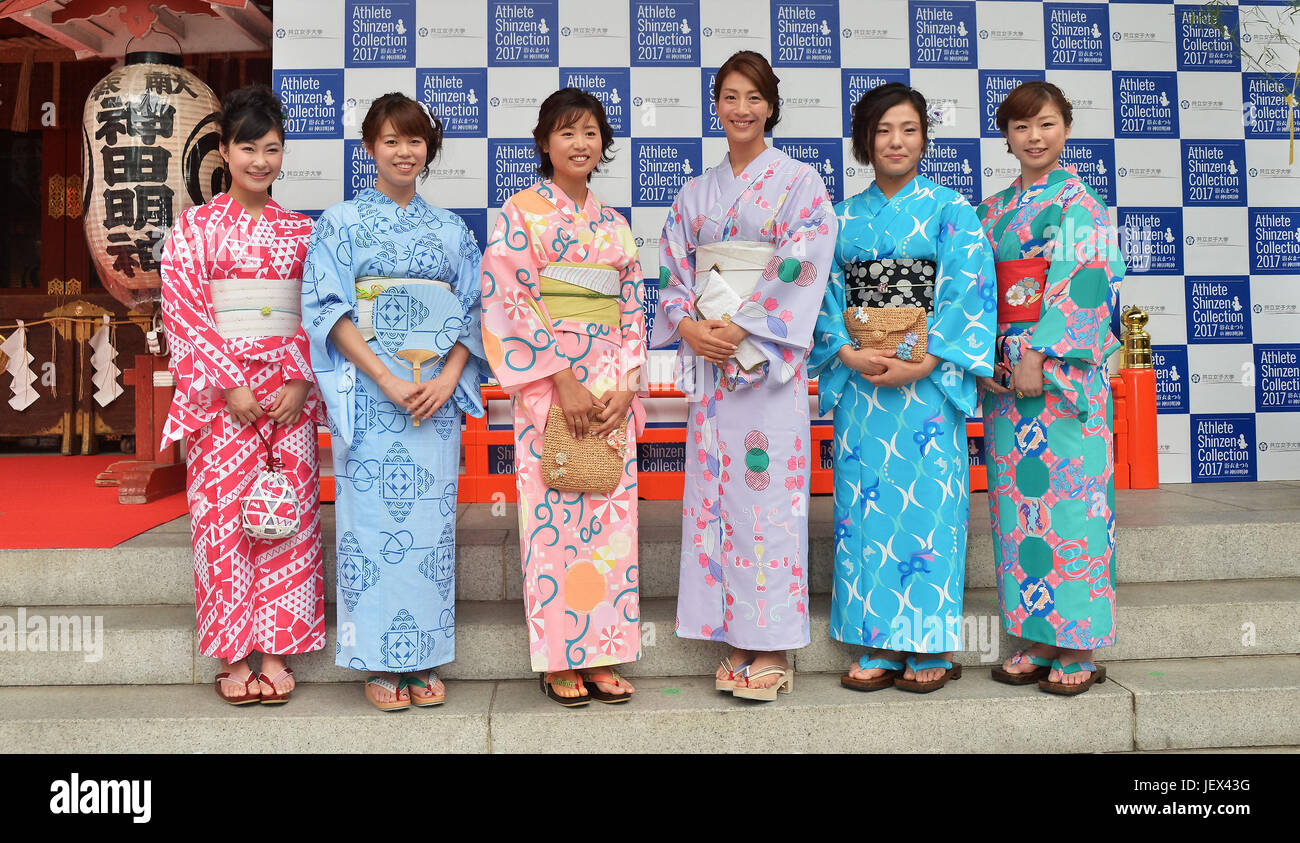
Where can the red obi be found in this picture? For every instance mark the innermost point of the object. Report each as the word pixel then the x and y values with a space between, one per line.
pixel 1020 289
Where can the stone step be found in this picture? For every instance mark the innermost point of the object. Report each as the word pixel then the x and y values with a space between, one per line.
pixel 156 644
pixel 1163 537
pixel 1144 706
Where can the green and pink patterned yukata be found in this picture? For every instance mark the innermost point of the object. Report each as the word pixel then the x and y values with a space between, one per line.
pixel 1050 459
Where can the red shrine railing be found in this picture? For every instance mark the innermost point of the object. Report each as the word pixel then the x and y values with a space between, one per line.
pixel 489 448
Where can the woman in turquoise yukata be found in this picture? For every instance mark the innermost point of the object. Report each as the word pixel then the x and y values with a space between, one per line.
pixel 902 504
pixel 1048 414
pixel 388 274
pixel 765 221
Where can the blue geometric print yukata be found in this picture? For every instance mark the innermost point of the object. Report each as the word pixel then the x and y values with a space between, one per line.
pixel 396 486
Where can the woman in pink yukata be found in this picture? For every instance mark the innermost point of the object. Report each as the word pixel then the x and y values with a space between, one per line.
pixel 564 326
pixel 765 222
pixel 239 379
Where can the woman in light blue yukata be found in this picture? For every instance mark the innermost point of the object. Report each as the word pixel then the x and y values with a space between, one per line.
pixel 906 326
pixel 391 295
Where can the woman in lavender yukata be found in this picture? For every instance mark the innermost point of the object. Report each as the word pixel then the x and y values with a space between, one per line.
pixel 766 218
pixel 1048 425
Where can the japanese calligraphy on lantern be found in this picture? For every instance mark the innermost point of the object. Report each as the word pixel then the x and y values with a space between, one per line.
pixel 150 138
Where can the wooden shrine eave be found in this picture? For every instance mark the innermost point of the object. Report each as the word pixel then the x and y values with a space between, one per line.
pixel 90 28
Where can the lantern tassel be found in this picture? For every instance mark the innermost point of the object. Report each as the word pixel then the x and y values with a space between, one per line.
pixel 20 368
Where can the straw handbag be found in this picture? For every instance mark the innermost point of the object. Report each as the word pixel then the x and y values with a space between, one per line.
pixel 888 302
pixel 897 329
pixel 589 464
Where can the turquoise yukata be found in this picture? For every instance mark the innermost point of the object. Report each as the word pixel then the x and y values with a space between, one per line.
pixel 395 505
pixel 902 501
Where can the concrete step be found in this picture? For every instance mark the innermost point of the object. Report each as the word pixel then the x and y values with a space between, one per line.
pixel 1163 537
pixel 1170 704
pixel 156 644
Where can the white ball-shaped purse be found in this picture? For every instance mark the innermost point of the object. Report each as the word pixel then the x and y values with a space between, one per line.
pixel 269 510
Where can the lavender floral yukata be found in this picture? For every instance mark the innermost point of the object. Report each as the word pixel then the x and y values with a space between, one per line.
pixel 744 577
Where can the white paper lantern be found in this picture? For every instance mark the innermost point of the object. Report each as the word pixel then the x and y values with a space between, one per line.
pixel 150 137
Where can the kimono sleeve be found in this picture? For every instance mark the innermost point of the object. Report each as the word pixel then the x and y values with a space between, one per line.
pixel 632 322
pixel 829 336
pixel 1076 319
pixel 676 272
pixel 328 295
pixel 964 327
pixel 468 284
pixel 201 359
pixel 517 337
pixel 783 309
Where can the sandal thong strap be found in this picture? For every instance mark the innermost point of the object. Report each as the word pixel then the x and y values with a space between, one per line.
pixel 869 663
pixel 1022 656
pixel 768 671
pixel 386 684
pixel 928 664
pixel 281 675
pixel 1073 667
pixel 562 681
pixel 740 670
pixel 230 677
pixel 420 683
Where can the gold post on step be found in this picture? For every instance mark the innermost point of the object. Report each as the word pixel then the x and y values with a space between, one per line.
pixel 1137 342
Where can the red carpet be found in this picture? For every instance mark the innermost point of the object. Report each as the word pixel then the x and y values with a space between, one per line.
pixel 52 501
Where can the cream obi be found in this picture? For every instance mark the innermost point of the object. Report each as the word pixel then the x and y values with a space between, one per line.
pixel 256 307
pixel 582 292
pixel 368 289
pixel 726 273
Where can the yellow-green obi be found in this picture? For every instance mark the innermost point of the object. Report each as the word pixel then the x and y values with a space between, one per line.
pixel 368 289
pixel 582 292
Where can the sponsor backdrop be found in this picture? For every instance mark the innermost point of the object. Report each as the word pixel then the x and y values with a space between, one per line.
pixel 1189 151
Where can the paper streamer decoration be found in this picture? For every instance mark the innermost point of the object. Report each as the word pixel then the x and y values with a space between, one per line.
pixel 20 368
pixel 105 370
pixel 149 151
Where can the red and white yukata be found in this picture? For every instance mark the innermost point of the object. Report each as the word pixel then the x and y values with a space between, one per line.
pixel 250 594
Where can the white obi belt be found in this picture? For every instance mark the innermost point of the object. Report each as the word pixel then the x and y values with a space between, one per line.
pixel 726 273
pixel 256 307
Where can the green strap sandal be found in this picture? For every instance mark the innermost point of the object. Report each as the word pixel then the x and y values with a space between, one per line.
pixel 413 681
pixel 563 682
pixel 1098 675
pixel 951 671
pixel 1042 668
pixel 893 670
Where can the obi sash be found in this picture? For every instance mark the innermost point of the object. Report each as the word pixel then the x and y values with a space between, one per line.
pixel 369 288
pixel 582 292
pixel 256 307
pixel 1021 284
pixel 891 282
pixel 726 273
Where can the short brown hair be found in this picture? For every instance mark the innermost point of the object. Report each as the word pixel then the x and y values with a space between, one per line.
pixel 1028 99
pixel 873 105
pixel 756 69
pixel 409 119
pixel 563 109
